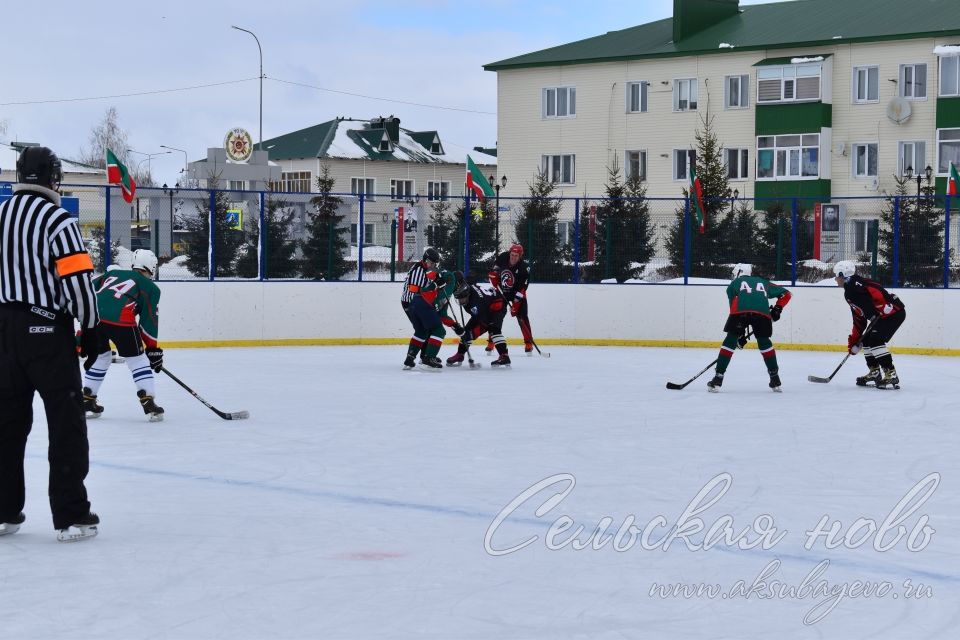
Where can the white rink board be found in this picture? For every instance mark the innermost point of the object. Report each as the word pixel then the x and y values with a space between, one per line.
pixel 253 311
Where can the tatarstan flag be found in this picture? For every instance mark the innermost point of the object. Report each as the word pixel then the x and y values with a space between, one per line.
pixel 696 198
pixel 477 182
pixel 953 182
pixel 117 173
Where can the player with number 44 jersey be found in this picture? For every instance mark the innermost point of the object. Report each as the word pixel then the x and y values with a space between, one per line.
pixel 749 297
pixel 128 301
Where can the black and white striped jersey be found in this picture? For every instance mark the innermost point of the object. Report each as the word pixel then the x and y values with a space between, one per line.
pixel 43 261
pixel 415 282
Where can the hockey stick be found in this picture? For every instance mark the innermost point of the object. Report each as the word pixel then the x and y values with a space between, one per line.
pixel 473 365
pixel 675 386
pixel 545 354
pixel 235 415
pixel 872 322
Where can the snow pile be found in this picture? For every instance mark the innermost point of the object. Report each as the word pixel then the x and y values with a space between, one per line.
pixel 725 45
pixel 946 50
pixel 806 60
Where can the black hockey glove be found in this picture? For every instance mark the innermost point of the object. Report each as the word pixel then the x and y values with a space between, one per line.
pixel 90 346
pixel 775 312
pixel 742 340
pixel 155 356
pixel 457 329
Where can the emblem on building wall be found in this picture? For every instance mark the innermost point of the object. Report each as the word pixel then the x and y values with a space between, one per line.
pixel 239 145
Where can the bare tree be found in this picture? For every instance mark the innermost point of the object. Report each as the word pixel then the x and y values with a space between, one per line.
pixel 109 135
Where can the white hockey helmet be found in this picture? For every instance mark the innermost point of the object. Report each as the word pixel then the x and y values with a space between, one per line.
pixel 844 269
pixel 742 270
pixel 145 260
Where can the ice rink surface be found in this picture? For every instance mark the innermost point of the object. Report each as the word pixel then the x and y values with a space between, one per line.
pixel 361 501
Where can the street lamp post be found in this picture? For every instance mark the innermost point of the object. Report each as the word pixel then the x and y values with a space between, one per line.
pixel 147 159
pixel 170 191
pixel 733 202
pixel 259 49
pixel 496 187
pixel 185 161
pixel 927 173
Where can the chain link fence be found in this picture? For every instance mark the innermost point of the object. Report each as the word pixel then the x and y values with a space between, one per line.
pixel 203 234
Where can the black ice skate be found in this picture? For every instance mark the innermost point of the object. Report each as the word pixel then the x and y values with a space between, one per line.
pixel 90 406
pixel 11 524
pixel 150 407
pixel 890 380
pixel 775 382
pixel 409 363
pixel 872 376
pixel 455 360
pixel 714 385
pixel 81 529
pixel 431 364
pixel 502 361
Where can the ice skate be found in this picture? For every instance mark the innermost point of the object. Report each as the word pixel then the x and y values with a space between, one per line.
pixel 873 376
pixel 83 528
pixel 455 360
pixel 714 385
pixel 150 407
pixel 775 382
pixel 90 406
pixel 890 380
pixel 11 524
pixel 431 364
pixel 528 348
pixel 502 361
pixel 409 363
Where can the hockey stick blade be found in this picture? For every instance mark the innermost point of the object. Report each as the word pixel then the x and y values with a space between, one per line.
pixel 234 415
pixel 818 379
pixel 675 386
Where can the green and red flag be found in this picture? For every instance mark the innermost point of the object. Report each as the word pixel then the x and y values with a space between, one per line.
pixel 477 182
pixel 117 173
pixel 953 182
pixel 696 198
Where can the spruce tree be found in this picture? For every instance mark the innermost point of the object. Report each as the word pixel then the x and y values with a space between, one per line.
pixel 327 245
pixel 720 245
pixel 920 247
pixel 483 238
pixel 443 233
pixel 226 241
pixel 279 261
pixel 536 230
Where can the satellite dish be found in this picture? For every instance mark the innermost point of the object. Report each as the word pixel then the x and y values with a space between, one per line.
pixel 899 110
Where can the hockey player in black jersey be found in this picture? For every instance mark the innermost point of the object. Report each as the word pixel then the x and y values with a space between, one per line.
pixel 487 308
pixel 510 274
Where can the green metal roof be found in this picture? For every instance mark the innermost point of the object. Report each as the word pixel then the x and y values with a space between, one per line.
pixel 799 23
pixel 311 142
pixel 769 62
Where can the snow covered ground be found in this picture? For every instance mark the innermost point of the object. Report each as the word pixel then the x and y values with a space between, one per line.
pixel 361 501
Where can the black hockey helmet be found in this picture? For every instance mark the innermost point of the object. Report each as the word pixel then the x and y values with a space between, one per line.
pixel 462 292
pixel 432 255
pixel 39 166
pixel 458 276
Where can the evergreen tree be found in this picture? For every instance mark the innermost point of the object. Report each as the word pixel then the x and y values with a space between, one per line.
pixel 280 248
pixel 537 231
pixel 719 246
pixel 96 245
pixel 920 247
pixel 483 238
pixel 443 232
pixel 326 246
pixel 226 242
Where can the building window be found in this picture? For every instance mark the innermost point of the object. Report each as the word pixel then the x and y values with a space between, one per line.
pixel 913 81
pixel 911 155
pixel 865 235
pixel 865 160
pixel 369 229
pixel 401 189
pixel 788 84
pixel 683 159
pixel 559 169
pixel 438 190
pixel 559 102
pixel 636 164
pixel 565 233
pixel 366 186
pixel 736 90
pixel 685 94
pixel 737 162
pixel 788 157
pixel 637 97
pixel 292 182
pixel 386 145
pixel 948 150
pixel 950 75
pixel 866 84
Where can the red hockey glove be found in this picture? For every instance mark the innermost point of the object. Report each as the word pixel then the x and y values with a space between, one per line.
pixel 853 345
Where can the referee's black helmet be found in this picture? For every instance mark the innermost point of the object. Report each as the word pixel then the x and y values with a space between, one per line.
pixel 39 166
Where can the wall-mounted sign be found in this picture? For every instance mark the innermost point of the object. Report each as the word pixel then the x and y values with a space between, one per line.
pixel 239 145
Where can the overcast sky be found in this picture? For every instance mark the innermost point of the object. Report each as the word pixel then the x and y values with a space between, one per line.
pixel 428 52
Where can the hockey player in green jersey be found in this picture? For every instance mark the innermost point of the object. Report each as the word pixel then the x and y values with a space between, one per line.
pixel 748 297
pixel 127 300
pixel 429 321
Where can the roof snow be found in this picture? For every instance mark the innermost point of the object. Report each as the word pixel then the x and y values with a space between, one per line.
pixel 947 50
pixel 805 60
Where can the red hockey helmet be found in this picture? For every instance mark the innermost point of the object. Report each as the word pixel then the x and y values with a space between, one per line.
pixel 517 248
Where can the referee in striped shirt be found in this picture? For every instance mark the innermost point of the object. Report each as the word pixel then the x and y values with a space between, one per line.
pixel 45 282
